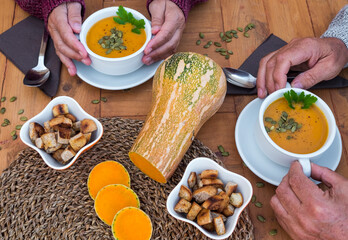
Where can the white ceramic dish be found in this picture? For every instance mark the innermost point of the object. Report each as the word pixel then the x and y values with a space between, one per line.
pixel 114 66
pixel 259 163
pixel 45 115
pixel 198 165
pixel 110 82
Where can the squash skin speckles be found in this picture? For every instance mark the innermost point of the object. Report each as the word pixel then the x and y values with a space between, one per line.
pixel 188 88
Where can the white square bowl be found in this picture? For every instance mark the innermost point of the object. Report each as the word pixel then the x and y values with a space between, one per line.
pixel 198 165
pixel 45 115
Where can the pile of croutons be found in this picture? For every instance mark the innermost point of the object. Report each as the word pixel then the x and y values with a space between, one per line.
pixel 211 202
pixel 62 136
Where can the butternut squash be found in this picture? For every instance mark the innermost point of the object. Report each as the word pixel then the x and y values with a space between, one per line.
pixel 131 223
pixel 188 88
pixel 106 173
pixel 111 199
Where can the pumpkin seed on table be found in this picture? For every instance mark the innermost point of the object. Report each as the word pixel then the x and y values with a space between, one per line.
pixel 217 44
pixel 223 53
pixel 7 121
pixel 228 40
pixel 206 46
pixel 273 232
pixel 225 154
pixel 3 110
pixel 103 99
pixel 235 35
pixel 18 127
pixel 14 137
pixel 23 119
pixel 246 35
pixel 221 148
pixel 253 198
pixel 12 99
pixel 96 101
pixel 261 218
pixel 260 184
pixel 230 52
pixel 258 204
pixel 240 29
pixel 3 99
pixel 227 56
pixel 198 42
pixel 13 133
pixel 201 35
pixel 221 34
pixel 21 111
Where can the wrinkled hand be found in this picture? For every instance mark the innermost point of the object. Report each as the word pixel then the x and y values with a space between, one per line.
pixel 168 23
pixel 307 212
pixel 321 59
pixel 63 22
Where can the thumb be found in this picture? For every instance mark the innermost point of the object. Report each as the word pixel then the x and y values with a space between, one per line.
pixel 326 175
pixel 157 11
pixel 74 16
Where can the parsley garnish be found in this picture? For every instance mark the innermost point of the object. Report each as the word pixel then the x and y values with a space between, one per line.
pixel 124 17
pixel 306 99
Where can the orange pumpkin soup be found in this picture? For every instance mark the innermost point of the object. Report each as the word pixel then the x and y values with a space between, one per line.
pixel 296 130
pixel 132 41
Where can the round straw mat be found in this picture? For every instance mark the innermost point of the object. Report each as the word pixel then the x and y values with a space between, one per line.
pixel 37 202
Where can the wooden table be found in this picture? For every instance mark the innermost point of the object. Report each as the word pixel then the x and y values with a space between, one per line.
pixel 286 19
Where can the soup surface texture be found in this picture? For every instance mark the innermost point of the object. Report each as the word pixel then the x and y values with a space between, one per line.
pixel 309 138
pixel 102 28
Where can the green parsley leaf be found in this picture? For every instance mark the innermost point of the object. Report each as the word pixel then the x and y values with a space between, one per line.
pixel 306 99
pixel 124 17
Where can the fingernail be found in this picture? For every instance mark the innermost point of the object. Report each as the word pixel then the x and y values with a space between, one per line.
pixel 155 29
pixel 277 86
pixel 81 54
pixel 148 60
pixel 259 92
pixel 297 85
pixel 84 61
pixel 148 51
pixel 77 26
pixel 70 71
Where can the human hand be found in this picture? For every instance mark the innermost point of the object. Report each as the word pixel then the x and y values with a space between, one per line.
pixel 307 212
pixel 319 58
pixel 168 23
pixel 63 22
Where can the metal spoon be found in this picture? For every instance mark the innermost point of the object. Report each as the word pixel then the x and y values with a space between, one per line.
pixel 244 79
pixel 38 75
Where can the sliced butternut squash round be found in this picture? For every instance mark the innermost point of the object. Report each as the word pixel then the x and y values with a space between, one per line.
pixel 131 223
pixel 111 199
pixel 106 173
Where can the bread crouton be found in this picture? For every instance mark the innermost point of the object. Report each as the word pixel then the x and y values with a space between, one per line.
pixel 213 182
pixel 219 226
pixel 53 149
pixel 61 122
pixel 192 180
pixel 195 209
pixel 76 126
pixel 215 214
pixel 236 199
pixel 39 143
pixel 67 154
pixel 47 127
pixel 217 202
pixel 209 173
pixel 230 188
pixel 204 217
pixel 78 141
pixel 49 140
pixel 202 194
pixel 60 109
pixel 183 206
pixel 88 136
pixel 88 125
pixel 228 211
pixel 71 117
pixel 35 131
pixel 58 155
pixel 63 135
pixel 185 193
pixel 210 227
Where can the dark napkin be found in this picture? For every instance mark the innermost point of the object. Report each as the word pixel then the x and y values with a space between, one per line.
pixel 251 65
pixel 21 44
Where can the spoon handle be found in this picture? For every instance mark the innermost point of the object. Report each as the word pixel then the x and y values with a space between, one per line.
pixel 43 48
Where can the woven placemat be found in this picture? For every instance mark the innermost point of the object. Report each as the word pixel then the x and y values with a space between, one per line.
pixel 37 202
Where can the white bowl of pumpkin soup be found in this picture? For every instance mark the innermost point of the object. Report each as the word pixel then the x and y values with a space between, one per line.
pixel 295 124
pixel 115 39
